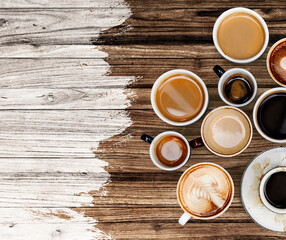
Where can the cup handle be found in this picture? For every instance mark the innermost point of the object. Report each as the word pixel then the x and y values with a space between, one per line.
pixel 218 70
pixel 198 142
pixel 184 218
pixel 147 138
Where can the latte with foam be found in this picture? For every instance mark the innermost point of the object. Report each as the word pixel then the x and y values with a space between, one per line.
pixel 226 131
pixel 205 190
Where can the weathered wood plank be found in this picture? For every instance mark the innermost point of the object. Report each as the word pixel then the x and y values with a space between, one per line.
pixel 134 3
pixel 56 133
pixel 82 26
pixel 92 73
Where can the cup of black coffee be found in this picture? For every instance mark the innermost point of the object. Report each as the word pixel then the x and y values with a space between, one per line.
pixel 272 190
pixel 237 87
pixel 269 115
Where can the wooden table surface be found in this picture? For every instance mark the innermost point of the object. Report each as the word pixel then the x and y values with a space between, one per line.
pixel 74 99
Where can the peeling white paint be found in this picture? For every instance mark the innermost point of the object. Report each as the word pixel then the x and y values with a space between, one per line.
pixel 39 205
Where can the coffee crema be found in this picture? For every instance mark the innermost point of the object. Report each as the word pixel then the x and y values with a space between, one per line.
pixel 171 150
pixel 205 190
pixel 180 98
pixel 277 62
pixel 238 89
pixel 240 36
pixel 271 115
pixel 226 131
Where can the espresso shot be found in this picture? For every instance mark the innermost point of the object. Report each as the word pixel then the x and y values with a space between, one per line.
pixel 238 89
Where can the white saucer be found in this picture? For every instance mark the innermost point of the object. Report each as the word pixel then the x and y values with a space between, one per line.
pixel 250 198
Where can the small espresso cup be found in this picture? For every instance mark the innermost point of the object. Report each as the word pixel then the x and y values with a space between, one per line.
pixel 269 115
pixel 227 14
pixel 272 190
pixel 226 131
pixel 276 62
pixel 204 191
pixel 164 142
pixel 237 83
pixel 177 100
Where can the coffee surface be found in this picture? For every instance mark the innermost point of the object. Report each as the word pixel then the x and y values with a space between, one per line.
pixel 205 191
pixel 271 115
pixel 226 131
pixel 171 150
pixel 238 89
pixel 275 189
pixel 180 98
pixel 277 62
pixel 240 36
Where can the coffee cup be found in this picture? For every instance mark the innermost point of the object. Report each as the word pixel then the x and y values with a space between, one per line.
pixel 240 35
pixel 226 131
pixel 170 150
pixel 276 62
pixel 179 97
pixel 269 115
pixel 204 191
pixel 272 190
pixel 237 87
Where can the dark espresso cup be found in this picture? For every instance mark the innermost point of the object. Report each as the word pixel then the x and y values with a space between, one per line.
pixel 170 150
pixel 237 87
pixel 269 115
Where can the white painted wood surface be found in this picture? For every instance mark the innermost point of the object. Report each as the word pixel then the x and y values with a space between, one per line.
pixel 57 103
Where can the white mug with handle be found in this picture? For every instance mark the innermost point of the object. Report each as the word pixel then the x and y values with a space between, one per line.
pixel 223 205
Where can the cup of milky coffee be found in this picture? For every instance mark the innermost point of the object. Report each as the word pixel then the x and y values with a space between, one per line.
pixel 179 97
pixel 276 62
pixel 170 150
pixel 272 190
pixel 204 191
pixel 269 115
pixel 226 131
pixel 240 35
pixel 237 87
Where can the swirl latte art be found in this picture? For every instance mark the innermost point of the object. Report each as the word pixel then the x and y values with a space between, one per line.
pixel 205 190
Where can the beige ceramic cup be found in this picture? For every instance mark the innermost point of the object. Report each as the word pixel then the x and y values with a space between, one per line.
pixel 226 131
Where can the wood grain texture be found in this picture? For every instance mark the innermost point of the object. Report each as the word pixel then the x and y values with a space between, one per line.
pixel 63 91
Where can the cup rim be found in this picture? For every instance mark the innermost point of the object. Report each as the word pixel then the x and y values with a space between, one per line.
pixel 225 76
pixel 245 10
pixel 250 136
pixel 261 189
pixel 255 109
pixel 167 74
pixel 152 147
pixel 268 58
pixel 232 192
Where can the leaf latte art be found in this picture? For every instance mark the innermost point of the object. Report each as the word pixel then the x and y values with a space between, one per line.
pixel 205 190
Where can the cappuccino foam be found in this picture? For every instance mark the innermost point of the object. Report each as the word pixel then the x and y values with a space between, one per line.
pixel 205 190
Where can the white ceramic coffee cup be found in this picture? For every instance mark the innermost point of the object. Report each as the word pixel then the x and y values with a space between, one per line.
pixel 152 150
pixel 187 215
pixel 261 190
pixel 167 75
pixel 240 10
pixel 225 75
pixel 204 138
pixel 268 64
pixel 255 109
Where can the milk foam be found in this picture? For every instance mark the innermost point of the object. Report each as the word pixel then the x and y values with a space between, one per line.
pixel 205 190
